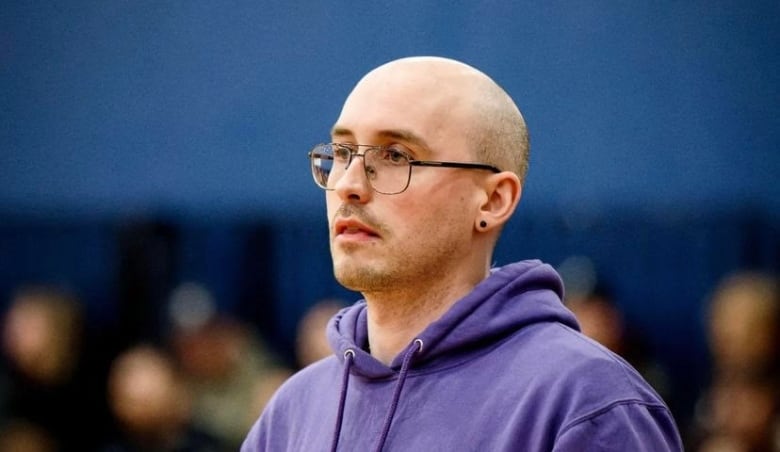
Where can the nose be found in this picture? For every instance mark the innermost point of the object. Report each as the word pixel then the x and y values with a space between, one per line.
pixel 353 185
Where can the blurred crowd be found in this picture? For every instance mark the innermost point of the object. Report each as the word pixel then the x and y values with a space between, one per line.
pixel 201 384
pixel 738 407
pixel 198 388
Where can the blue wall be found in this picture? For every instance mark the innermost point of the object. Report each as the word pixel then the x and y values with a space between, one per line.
pixel 208 108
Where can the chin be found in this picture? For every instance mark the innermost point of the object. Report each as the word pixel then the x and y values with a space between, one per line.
pixel 356 277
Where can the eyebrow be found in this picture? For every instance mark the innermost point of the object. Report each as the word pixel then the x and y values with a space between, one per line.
pixel 401 134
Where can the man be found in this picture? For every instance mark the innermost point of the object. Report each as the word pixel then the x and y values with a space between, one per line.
pixel 446 353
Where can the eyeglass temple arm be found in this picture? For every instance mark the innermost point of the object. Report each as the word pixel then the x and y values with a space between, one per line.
pixel 455 165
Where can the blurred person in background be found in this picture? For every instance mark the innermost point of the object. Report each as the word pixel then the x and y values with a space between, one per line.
pixel 740 409
pixel 424 167
pixel 744 324
pixel 22 436
pixel 49 376
pixel 229 371
pixel 311 343
pixel 152 405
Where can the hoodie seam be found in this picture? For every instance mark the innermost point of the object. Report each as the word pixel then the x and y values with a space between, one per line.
pixel 621 402
pixel 604 410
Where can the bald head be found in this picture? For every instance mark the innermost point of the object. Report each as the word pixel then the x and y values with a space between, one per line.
pixel 456 99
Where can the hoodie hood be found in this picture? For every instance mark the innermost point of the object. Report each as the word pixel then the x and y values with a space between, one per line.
pixel 511 298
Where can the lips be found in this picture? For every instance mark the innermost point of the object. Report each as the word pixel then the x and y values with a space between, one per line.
pixel 353 227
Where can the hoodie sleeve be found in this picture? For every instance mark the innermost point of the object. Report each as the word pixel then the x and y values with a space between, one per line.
pixel 623 426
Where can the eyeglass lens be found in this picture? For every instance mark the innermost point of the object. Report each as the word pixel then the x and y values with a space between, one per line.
pixel 386 169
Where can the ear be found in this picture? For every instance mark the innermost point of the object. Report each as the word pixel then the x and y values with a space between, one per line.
pixel 503 192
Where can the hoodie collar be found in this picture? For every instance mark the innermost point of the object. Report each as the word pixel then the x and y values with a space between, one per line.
pixel 512 297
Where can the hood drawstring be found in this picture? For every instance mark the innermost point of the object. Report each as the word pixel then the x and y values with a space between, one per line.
pixel 397 394
pixel 349 357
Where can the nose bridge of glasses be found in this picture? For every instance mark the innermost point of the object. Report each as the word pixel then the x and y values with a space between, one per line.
pixel 356 153
pixel 368 152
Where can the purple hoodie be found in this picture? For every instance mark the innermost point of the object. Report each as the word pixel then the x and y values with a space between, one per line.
pixel 505 369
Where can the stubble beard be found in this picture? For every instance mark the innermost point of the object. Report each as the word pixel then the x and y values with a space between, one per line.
pixel 399 272
pixel 348 267
pixel 358 275
pixel 360 279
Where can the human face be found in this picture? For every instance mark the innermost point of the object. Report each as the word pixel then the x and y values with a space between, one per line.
pixel 392 242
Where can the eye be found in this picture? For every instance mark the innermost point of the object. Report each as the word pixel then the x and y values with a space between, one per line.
pixel 341 153
pixel 395 155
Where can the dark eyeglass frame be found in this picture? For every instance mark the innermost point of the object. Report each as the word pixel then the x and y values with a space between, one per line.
pixel 313 154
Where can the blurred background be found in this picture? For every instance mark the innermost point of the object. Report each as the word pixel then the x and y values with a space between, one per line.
pixel 154 182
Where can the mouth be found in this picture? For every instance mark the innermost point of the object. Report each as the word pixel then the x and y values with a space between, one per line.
pixel 349 227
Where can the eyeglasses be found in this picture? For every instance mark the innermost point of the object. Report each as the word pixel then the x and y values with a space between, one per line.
pixel 388 168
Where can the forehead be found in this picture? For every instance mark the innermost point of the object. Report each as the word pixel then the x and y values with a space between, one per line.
pixel 408 105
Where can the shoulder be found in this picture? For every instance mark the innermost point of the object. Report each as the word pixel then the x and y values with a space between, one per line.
pixel 594 393
pixel 576 371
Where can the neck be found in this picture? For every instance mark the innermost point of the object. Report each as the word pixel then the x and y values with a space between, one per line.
pixel 395 318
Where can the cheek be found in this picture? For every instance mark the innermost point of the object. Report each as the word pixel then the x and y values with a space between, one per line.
pixel 439 214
